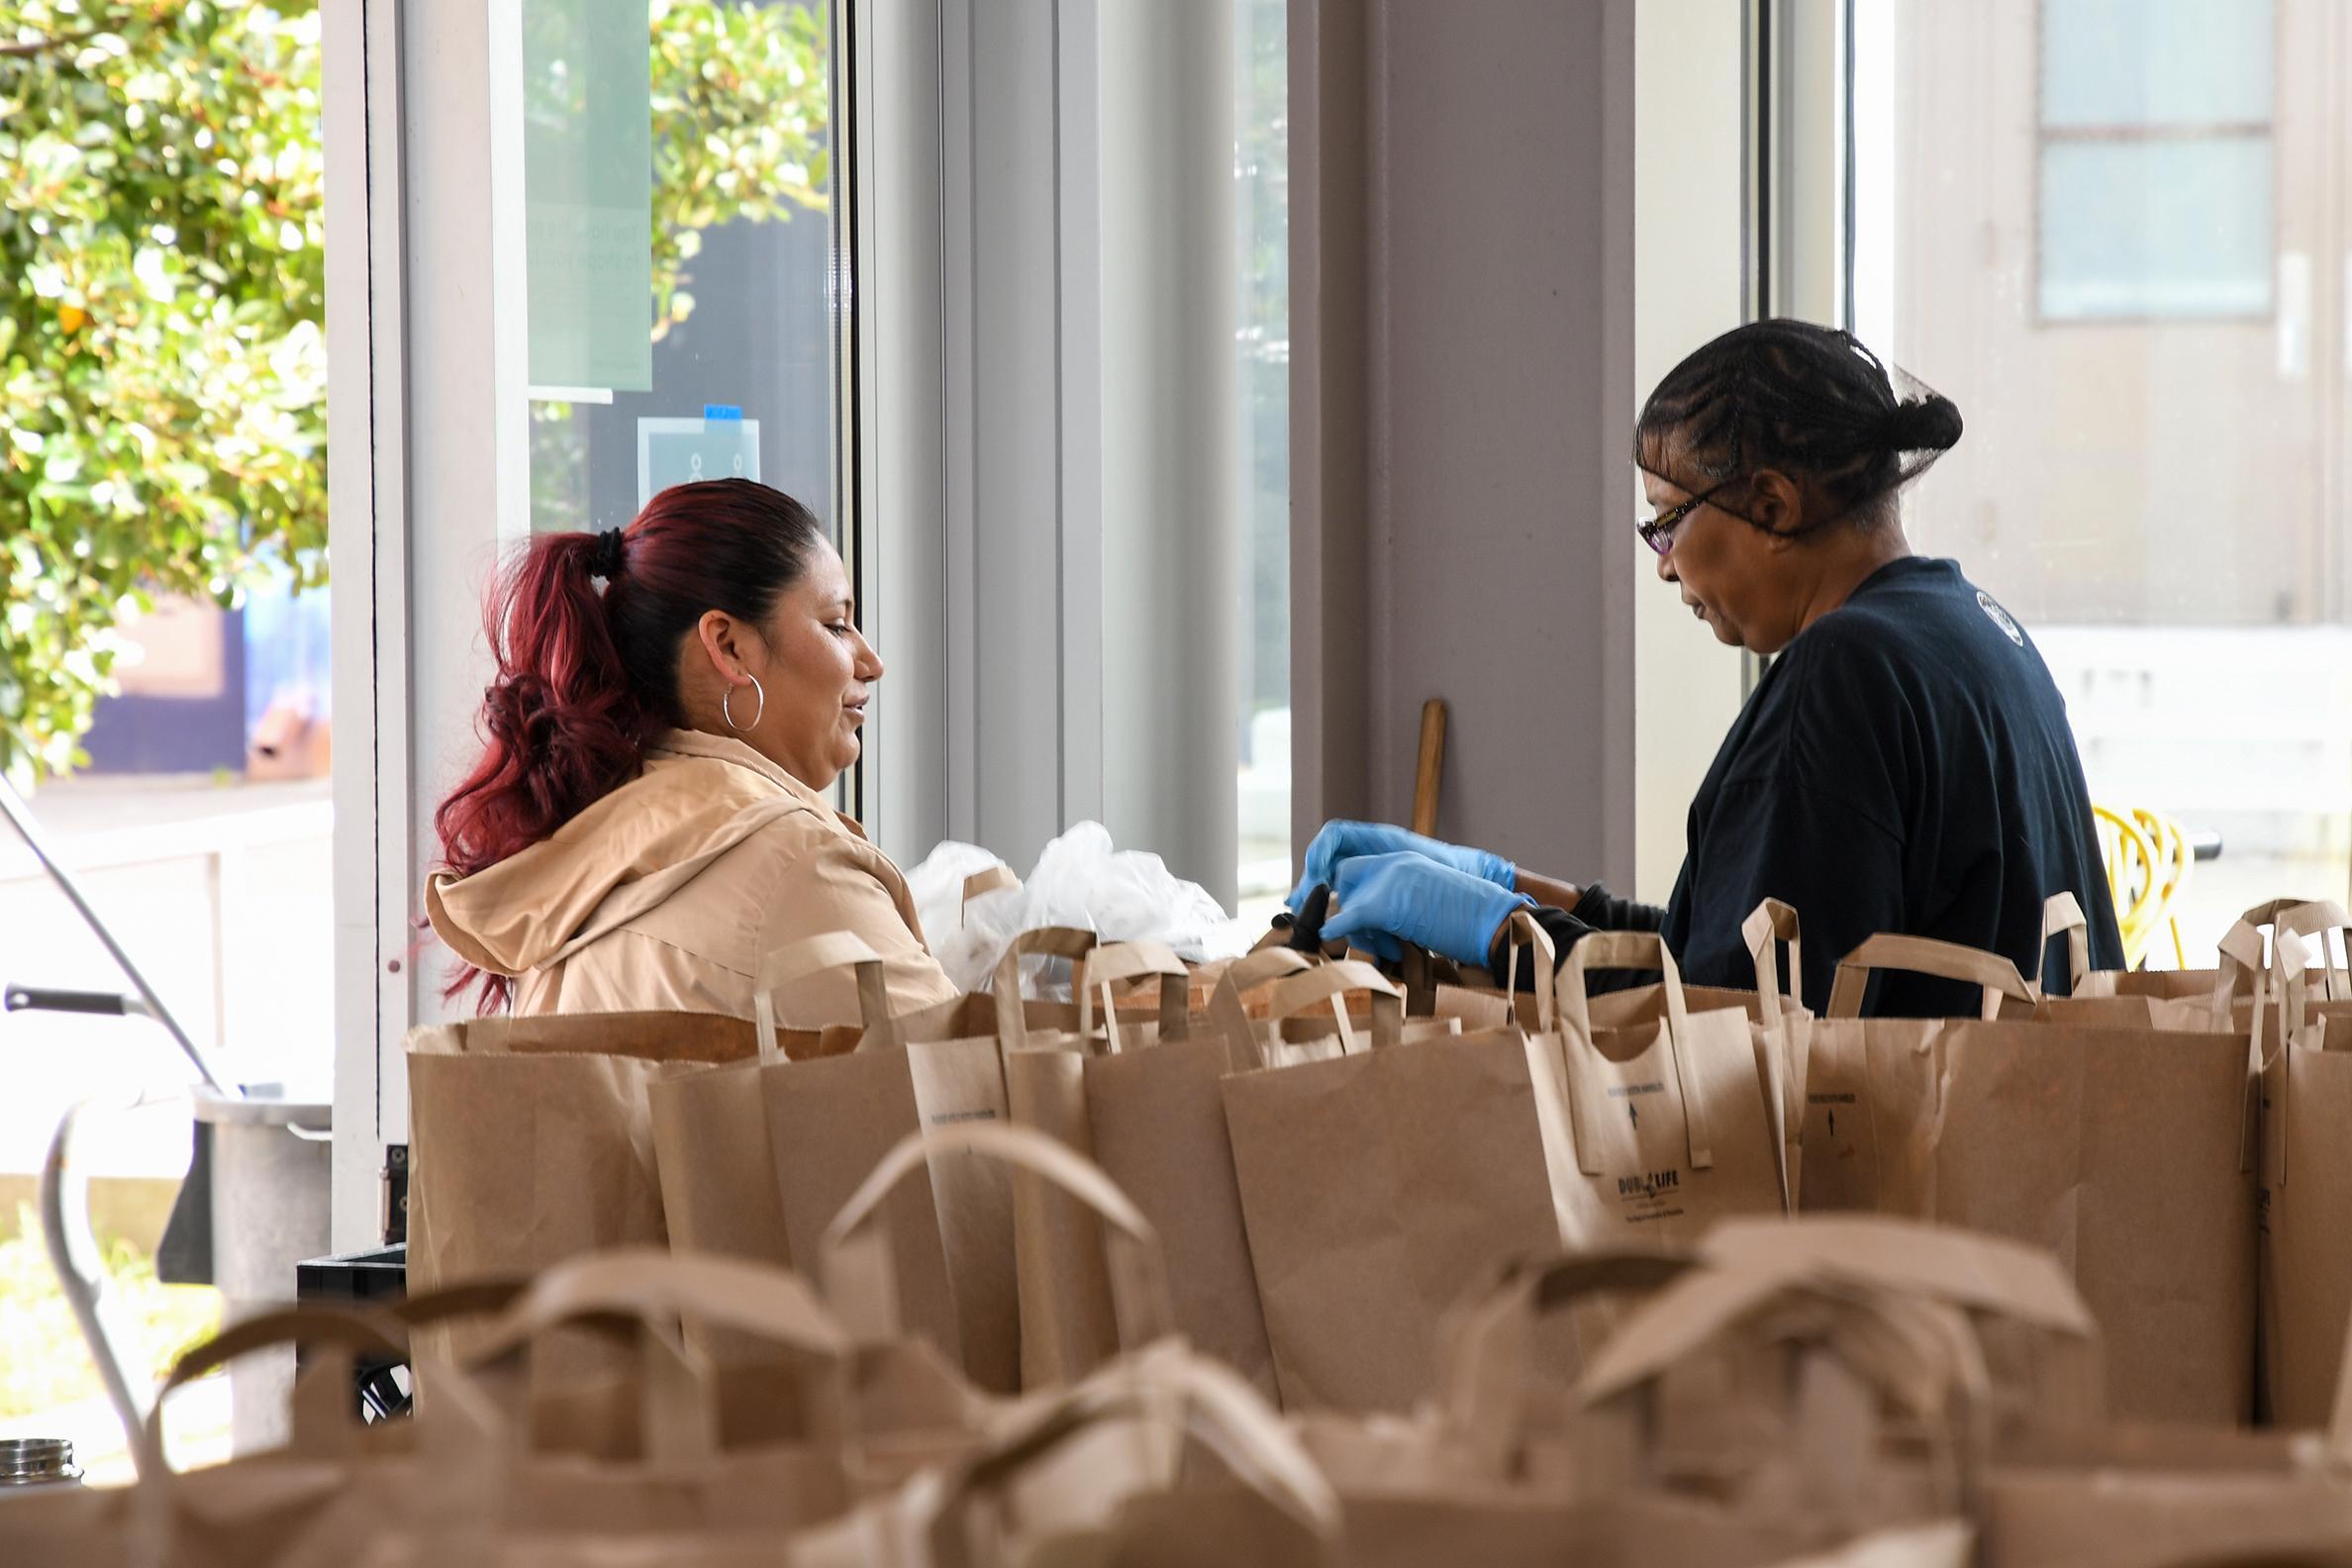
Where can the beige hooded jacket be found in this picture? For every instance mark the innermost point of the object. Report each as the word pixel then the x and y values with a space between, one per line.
pixel 665 894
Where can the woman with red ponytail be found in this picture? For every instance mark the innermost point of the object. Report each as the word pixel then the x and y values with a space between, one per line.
pixel 647 820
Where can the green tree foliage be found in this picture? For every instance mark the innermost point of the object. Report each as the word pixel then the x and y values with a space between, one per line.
pixel 162 290
pixel 162 372
pixel 740 113
pixel 43 1362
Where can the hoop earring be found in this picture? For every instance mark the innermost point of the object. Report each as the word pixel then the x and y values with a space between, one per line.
pixel 726 704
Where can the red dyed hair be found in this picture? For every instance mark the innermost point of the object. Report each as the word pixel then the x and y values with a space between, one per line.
pixel 587 678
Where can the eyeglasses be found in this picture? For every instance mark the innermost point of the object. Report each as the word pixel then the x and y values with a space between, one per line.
pixel 1659 531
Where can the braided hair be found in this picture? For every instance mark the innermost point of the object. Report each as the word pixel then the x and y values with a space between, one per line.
pixel 1807 401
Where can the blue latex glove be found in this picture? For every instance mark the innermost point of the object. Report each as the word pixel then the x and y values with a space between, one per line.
pixel 1384 898
pixel 1341 841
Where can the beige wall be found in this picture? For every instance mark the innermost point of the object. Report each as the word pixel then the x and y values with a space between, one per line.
pixel 1461 225
pixel 1689 286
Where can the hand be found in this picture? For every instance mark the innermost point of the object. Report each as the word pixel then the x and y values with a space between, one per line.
pixel 1385 898
pixel 1340 841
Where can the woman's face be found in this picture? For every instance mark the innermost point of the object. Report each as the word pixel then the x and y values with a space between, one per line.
pixel 1732 575
pixel 816 668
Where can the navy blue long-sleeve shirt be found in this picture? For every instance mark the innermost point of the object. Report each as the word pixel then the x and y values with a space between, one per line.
pixel 1906 765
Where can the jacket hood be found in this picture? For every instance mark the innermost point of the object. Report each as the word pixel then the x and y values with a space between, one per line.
pixel 699 796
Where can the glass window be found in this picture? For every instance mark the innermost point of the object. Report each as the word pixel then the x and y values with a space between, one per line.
pixel 2155 62
pixel 164 673
pixel 2163 500
pixel 2156 159
pixel 2156 228
pixel 1261 192
pixel 678 186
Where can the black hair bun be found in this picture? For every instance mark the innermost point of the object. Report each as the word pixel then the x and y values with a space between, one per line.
pixel 606 553
pixel 1928 423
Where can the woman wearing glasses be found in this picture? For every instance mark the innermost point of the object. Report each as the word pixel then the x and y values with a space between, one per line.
pixel 1904 766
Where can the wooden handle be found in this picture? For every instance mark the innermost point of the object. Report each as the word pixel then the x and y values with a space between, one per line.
pixel 1432 762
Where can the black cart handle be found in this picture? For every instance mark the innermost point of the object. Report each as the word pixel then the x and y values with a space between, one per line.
pixel 38 999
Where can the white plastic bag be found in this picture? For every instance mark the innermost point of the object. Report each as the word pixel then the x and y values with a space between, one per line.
pixel 1080 880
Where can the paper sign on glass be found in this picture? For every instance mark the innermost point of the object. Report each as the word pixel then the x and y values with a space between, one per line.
pixel 674 452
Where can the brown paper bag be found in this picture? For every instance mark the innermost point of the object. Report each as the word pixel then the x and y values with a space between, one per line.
pixel 1668 1124
pixel 1156 1121
pixel 859 1260
pixel 1871 1367
pixel 657 1460
pixel 2305 1051
pixel 2038 1339
pixel 2225 988
pixel 1145 1102
pixel 1506 1418
pixel 1372 1185
pixel 531 1140
pixel 2166 1496
pixel 1506 1467
pixel 1780 1020
pixel 1140 1098
pixel 1873 1086
pixel 1849 1407
pixel 1490 1475
pixel 1067 1324
pixel 1052 1487
pixel 965 1077
pixel 488 1465
pixel 2100 1517
pixel 710 1127
pixel 339 1488
pixel 830 1121
pixel 2125 1150
pixel 1233 1529
pixel 872 1410
pixel 333 1478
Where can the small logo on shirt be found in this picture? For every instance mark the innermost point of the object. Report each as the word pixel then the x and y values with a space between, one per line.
pixel 1999 618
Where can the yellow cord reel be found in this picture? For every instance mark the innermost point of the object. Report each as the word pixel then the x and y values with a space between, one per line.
pixel 2148 858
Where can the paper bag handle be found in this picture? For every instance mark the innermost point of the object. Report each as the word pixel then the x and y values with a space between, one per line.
pixel 2272 1063
pixel 1643 950
pixel 479 1298
pixel 1048 941
pixel 643 1290
pixel 822 954
pixel 1114 963
pixel 997 878
pixel 2062 915
pixel 860 1279
pixel 1916 1353
pixel 1486 1340
pixel 646 1285
pixel 1922 955
pixel 2322 919
pixel 323 1420
pixel 1179 1395
pixel 1523 933
pixel 2306 915
pixel 1331 982
pixel 1421 979
pixel 1747 1304
pixel 2245 959
pixel 1226 1006
pixel 1770 925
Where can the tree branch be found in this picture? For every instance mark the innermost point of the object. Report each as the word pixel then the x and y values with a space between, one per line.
pixel 27 50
